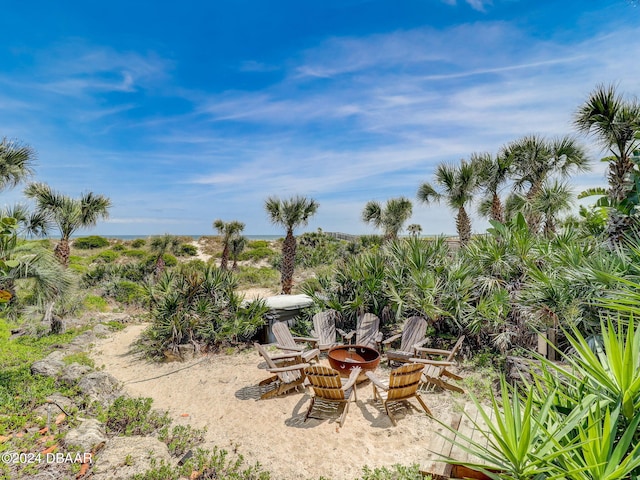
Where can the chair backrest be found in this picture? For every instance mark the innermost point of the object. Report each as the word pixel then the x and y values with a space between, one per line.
pixel 283 335
pixel 367 330
pixel 325 381
pixel 454 350
pixel 404 381
pixel 414 331
pixel 286 377
pixel 324 327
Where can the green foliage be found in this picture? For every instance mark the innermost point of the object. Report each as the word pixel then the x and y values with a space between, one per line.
pixel 80 357
pixel 169 260
pixel 188 250
pixel 199 307
pixel 134 253
pixel 258 277
pixel 257 244
pixel 138 242
pixel 396 472
pixel 107 256
pixel 90 242
pixel 213 464
pixel 134 416
pixel 128 292
pixel 257 253
pixel 181 438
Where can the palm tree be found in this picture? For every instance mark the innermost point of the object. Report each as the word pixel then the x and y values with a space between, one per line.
pixel 493 173
pixel 553 199
pixel 534 159
pixel 615 123
pixel 457 185
pixel 16 163
pixel 414 229
pixel 391 218
pixel 160 245
pixel 290 214
pixel 68 214
pixel 229 231
pixel 237 246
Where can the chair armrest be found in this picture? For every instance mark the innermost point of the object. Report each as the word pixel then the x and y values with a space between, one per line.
pixel 376 381
pixel 355 372
pixel 292 348
pixel 298 366
pixel 306 339
pixel 285 355
pixel 433 351
pixel 436 363
pixel 391 339
pixel 346 336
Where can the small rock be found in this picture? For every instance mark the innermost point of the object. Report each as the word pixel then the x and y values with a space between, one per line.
pixel 51 410
pixel 89 433
pixel 100 387
pixel 101 331
pixel 49 366
pixel 72 373
pixel 83 340
pixel 123 457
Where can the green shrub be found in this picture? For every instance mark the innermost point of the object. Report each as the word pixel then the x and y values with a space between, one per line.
pixel 256 254
pixel 125 291
pixel 257 244
pixel 258 277
pixel 108 256
pixel 118 247
pixel 95 303
pixel 188 250
pixel 181 438
pixel 396 472
pixel 91 242
pixel 134 253
pixel 133 416
pixel 138 242
pixel 169 260
pixel 80 357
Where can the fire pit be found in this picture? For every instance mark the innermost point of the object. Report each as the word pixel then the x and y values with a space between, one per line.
pixel 344 357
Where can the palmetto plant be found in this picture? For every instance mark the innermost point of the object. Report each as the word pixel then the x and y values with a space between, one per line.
pixel 229 231
pixel 161 245
pixel 236 246
pixel 455 184
pixel 493 173
pixel 389 218
pixel 16 163
pixel 290 214
pixel 68 214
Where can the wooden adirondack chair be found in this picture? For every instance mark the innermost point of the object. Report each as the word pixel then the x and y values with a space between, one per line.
pixel 413 335
pixel 324 329
pixel 367 332
pixel 402 385
pixel 435 371
pixel 285 378
pixel 329 386
pixel 287 342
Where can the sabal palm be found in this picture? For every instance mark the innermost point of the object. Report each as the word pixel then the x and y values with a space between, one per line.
pixel 161 245
pixel 290 214
pixel 16 163
pixel 236 247
pixel 391 218
pixel 534 159
pixel 68 214
pixel 493 173
pixel 228 230
pixel 615 124
pixel 414 229
pixel 554 199
pixel 457 184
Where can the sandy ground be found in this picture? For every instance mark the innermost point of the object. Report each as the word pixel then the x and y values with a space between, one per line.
pixel 221 392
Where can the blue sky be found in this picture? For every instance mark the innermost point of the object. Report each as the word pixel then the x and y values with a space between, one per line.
pixel 186 112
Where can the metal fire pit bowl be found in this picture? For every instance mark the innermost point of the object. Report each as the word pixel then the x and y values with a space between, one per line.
pixel 344 357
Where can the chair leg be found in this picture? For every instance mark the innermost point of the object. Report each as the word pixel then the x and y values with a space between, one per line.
pixel 451 375
pixel 389 414
pixel 344 413
pixel 313 400
pixel 426 409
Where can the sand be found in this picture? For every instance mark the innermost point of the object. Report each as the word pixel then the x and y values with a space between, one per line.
pixel 220 392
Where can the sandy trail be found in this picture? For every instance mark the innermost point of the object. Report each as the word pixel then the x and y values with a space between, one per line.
pixel 220 391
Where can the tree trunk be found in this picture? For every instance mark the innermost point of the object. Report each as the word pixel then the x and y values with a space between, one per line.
pixel 532 217
pixel 619 178
pixel 463 225
pixel 497 212
pixel 51 318
pixel 288 262
pixel 62 251
pixel 160 265
pixel 224 260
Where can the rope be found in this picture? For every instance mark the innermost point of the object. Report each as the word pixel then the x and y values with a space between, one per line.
pixel 166 374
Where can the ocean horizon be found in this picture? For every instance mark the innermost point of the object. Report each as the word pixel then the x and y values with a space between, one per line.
pixel 195 237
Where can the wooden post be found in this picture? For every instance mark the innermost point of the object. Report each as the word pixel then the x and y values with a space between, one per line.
pixel 543 347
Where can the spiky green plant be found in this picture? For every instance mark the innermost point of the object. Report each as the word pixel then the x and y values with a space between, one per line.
pixel 390 218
